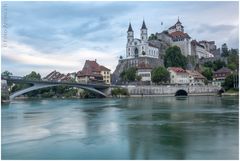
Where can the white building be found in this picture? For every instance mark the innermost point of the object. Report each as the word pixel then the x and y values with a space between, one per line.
pixel 140 47
pixel 195 78
pixel 200 51
pixel 180 39
pixel 178 75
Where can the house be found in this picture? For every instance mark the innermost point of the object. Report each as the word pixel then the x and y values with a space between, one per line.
pixel 195 78
pixel 220 75
pixel 94 73
pixel 106 73
pixel 178 75
pixel 57 76
pixel 144 70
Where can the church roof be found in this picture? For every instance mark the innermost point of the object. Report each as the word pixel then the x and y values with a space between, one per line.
pixel 130 27
pixel 144 25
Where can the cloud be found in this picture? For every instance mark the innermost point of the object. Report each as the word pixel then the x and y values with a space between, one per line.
pixel 23 55
pixel 61 35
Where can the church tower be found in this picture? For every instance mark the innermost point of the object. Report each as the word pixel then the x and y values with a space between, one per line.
pixel 130 33
pixel 144 35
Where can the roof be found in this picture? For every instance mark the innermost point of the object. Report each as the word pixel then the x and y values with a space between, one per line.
pixel 92 68
pixel 143 65
pixel 103 68
pixel 130 28
pixel 144 25
pixel 195 74
pixel 223 70
pixel 177 69
pixel 179 34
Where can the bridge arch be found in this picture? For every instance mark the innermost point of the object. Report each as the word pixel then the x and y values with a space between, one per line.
pixel 41 86
pixel 181 92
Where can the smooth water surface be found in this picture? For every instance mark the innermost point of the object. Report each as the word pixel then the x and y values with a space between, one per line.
pixel 200 127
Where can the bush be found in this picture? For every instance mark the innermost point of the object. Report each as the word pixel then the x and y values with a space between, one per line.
pixel 119 91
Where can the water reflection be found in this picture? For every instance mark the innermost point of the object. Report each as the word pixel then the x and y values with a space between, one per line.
pixel 132 128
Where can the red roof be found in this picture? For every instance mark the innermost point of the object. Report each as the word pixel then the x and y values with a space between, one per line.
pixel 103 68
pixel 179 34
pixel 177 69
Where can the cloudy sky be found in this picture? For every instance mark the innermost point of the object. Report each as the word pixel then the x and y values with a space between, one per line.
pixel 46 36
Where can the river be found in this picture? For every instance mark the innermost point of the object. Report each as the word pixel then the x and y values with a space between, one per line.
pixel 196 127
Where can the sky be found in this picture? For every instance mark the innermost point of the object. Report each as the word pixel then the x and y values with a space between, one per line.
pixel 47 36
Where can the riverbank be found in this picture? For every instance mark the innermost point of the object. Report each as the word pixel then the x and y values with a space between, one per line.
pixel 172 95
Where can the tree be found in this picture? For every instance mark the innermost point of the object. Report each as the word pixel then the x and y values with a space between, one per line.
pixel 160 74
pixel 129 74
pixel 230 81
pixel 152 37
pixel 207 72
pixel 174 58
pixel 33 76
pixel 6 73
pixel 225 50
pixel 218 64
pixel 138 78
pixel 233 58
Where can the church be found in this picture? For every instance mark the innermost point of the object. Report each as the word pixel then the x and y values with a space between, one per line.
pixel 140 47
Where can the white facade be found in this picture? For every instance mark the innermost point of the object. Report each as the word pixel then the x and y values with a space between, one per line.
pixel 184 45
pixel 140 47
pixel 145 74
pixel 178 77
pixel 201 52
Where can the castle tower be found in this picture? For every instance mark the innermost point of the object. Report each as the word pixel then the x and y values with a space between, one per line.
pixel 130 33
pixel 144 35
pixel 179 26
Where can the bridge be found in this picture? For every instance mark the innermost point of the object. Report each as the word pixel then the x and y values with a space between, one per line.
pixel 104 89
pixel 101 89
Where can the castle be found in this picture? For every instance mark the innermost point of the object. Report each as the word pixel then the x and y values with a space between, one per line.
pixel 146 54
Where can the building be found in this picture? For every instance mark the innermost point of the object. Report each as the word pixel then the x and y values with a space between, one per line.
pixel 179 38
pixel 92 72
pixel 59 77
pixel 144 71
pixel 106 73
pixel 140 47
pixel 199 50
pixel 195 78
pixel 178 75
pixel 220 75
pixel 208 45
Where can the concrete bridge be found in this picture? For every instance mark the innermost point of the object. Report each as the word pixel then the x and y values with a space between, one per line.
pixel 101 89
pixel 105 90
pixel 172 90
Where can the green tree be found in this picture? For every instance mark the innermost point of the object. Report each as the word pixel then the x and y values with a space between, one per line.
pixel 207 72
pixel 225 51
pixel 218 64
pixel 129 74
pixel 160 74
pixel 230 81
pixel 6 73
pixel 33 76
pixel 208 64
pixel 138 78
pixel 174 58
pixel 152 37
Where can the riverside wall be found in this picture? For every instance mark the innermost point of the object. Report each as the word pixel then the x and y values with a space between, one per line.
pixel 171 90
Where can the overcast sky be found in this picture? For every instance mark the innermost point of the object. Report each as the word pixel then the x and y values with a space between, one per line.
pixel 46 36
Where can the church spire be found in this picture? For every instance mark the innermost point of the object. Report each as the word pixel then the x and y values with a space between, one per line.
pixel 144 25
pixel 130 28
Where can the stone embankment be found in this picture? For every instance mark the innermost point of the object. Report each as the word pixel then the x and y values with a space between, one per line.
pixel 171 90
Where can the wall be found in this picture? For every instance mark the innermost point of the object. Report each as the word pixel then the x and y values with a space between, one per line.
pixel 170 90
